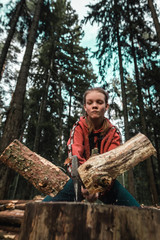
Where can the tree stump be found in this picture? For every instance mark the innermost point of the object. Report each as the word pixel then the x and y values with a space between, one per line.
pixel 79 221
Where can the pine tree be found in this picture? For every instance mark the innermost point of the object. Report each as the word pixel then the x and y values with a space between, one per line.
pixel 71 73
pixel 15 14
pixel 13 123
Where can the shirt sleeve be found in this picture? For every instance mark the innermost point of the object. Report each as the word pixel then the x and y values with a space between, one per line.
pixel 116 141
pixel 76 145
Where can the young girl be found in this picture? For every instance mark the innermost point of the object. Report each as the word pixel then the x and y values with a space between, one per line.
pixel 94 132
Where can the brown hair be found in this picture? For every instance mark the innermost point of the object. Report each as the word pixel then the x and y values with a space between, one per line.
pixel 98 89
pixel 105 125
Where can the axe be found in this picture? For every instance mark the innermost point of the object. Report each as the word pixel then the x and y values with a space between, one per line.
pixel 76 179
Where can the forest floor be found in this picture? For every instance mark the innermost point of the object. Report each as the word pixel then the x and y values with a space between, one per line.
pixel 12 213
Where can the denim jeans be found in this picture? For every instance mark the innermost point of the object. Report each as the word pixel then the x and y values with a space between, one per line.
pixel 118 195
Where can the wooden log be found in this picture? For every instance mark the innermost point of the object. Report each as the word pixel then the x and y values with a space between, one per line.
pixel 99 171
pixel 44 175
pixel 8 201
pixel 75 221
pixel 11 217
pixel 8 235
pixel 9 229
pixel 16 204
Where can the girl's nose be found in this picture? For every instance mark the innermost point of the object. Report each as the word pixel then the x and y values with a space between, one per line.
pixel 94 105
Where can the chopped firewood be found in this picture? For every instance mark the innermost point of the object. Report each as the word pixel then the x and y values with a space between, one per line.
pixel 17 204
pixel 98 172
pixel 11 217
pixel 44 175
pixel 5 235
pixel 10 229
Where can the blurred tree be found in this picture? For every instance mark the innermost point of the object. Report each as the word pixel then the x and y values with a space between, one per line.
pixel 14 17
pixel 13 123
pixel 155 18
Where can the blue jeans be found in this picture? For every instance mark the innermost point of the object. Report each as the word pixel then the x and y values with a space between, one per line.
pixel 118 195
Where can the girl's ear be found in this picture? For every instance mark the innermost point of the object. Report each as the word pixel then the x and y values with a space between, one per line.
pixel 84 107
pixel 107 106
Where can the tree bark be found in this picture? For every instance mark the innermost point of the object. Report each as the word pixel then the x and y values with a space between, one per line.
pixel 98 172
pixel 74 221
pixel 44 175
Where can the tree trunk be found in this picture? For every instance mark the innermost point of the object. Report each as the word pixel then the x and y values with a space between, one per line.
pixel 60 112
pixel 10 35
pixel 75 221
pixel 153 188
pixel 14 118
pixel 155 19
pixel 12 129
pixel 41 111
pixel 153 126
pixel 98 172
pixel 131 185
pixel 44 175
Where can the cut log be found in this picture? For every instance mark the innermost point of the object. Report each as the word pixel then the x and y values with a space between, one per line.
pixel 9 229
pixel 11 217
pixel 98 172
pixel 75 221
pixel 15 204
pixel 44 175
pixel 7 235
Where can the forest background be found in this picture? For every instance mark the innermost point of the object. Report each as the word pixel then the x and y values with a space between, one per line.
pixel 41 92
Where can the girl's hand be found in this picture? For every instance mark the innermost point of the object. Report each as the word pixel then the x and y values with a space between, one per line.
pixel 89 197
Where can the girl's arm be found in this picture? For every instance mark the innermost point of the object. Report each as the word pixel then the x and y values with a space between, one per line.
pixel 116 141
pixel 76 145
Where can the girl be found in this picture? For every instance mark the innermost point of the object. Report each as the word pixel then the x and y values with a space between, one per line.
pixel 94 132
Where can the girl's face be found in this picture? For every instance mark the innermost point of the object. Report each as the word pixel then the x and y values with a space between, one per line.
pixel 95 105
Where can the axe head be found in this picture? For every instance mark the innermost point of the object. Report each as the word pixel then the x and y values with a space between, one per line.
pixel 75 177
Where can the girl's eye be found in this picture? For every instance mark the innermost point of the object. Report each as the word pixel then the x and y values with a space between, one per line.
pixel 89 102
pixel 100 102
